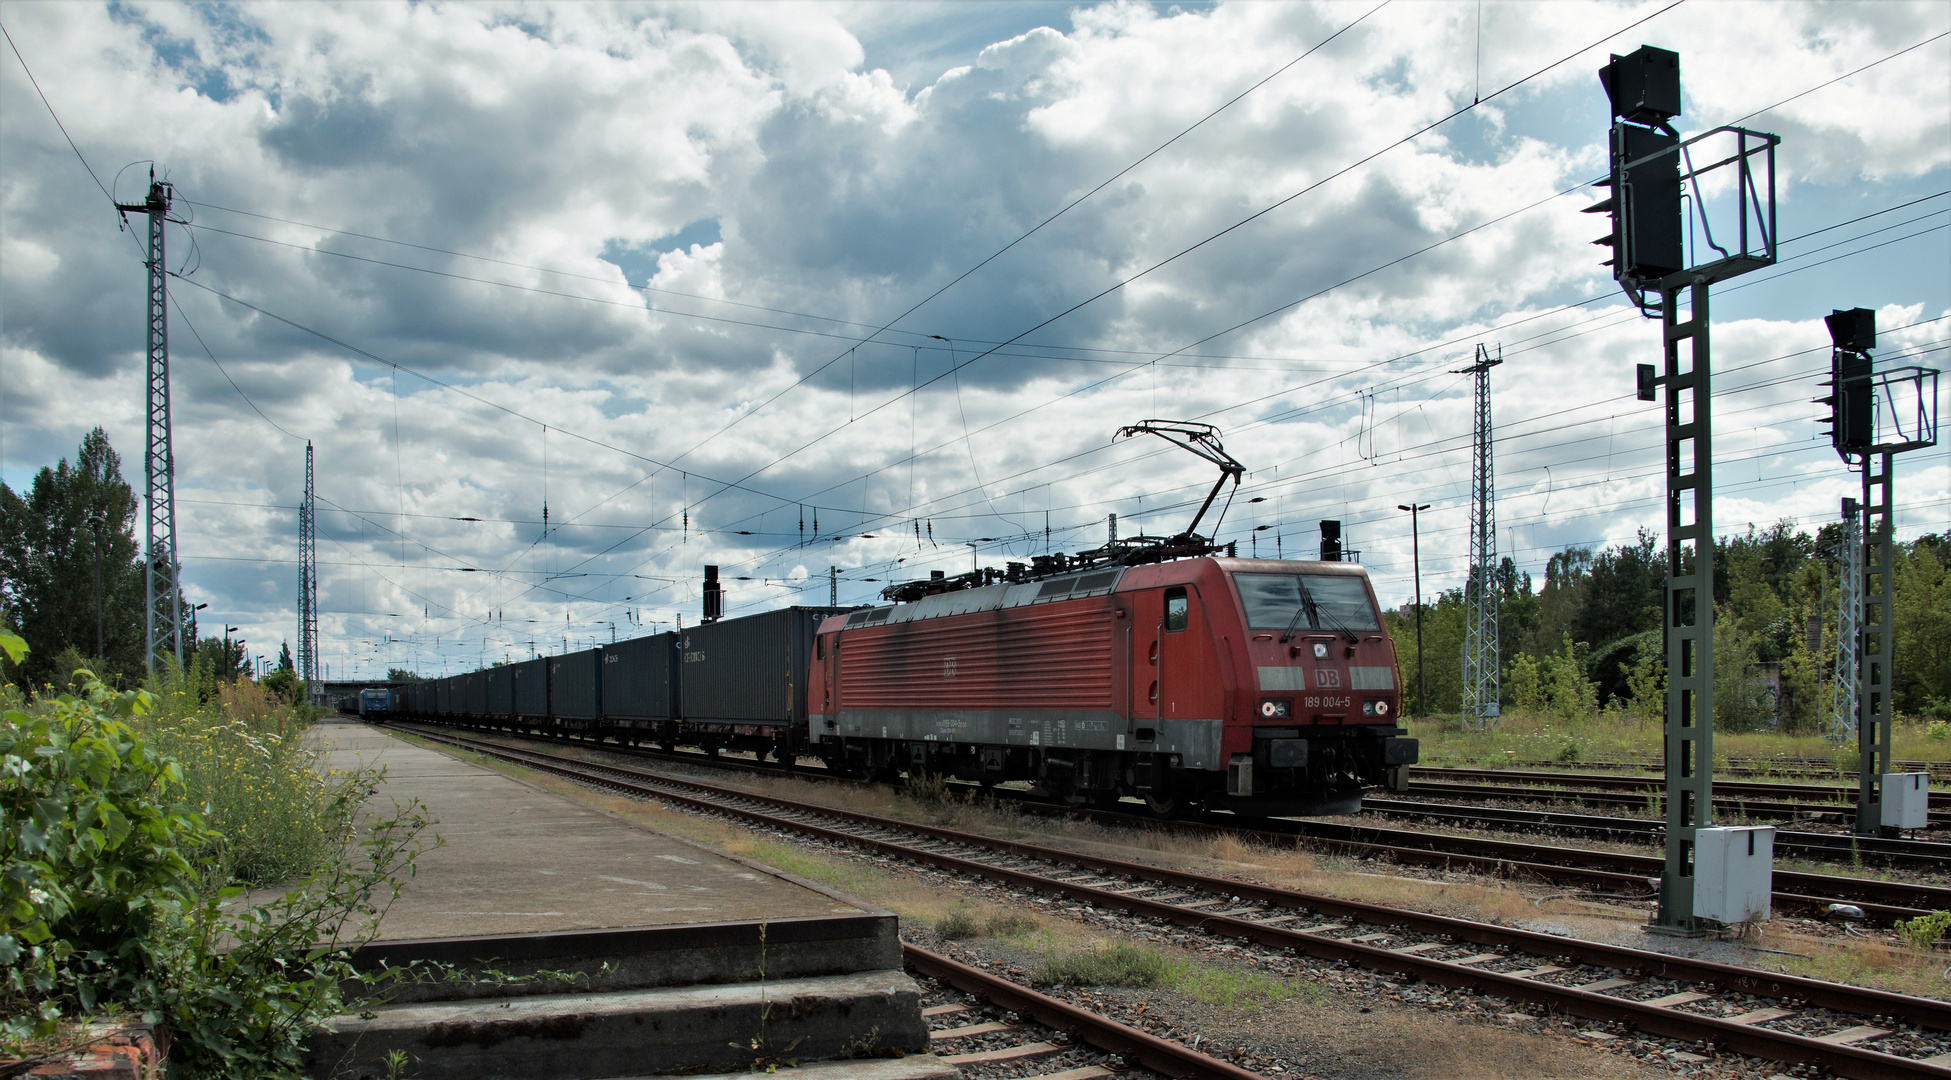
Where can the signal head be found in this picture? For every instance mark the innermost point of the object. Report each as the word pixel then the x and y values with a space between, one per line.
pixel 1853 330
pixel 1643 87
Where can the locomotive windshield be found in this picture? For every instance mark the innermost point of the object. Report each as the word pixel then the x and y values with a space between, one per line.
pixel 1339 600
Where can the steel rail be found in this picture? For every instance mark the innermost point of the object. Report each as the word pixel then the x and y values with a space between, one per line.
pixel 1733 788
pixel 1154 1053
pixel 1780 768
pixel 1880 901
pixel 1634 800
pixel 1926 854
pixel 1774 1045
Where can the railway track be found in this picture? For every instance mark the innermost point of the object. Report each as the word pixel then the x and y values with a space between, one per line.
pixel 1821 847
pixel 1745 767
pixel 1618 875
pixel 1835 794
pixel 986 1025
pixel 1646 800
pixel 1851 1031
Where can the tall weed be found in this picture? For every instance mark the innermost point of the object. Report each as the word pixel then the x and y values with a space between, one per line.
pixel 248 770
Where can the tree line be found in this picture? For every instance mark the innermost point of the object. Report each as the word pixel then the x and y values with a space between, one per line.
pixel 48 552
pixel 1589 637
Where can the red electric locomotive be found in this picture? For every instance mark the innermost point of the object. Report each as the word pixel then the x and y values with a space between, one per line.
pixel 1253 685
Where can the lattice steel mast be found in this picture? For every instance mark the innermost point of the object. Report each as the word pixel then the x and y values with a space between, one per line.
pixel 1480 657
pixel 163 610
pixel 1849 624
pixel 308 578
pixel 1873 713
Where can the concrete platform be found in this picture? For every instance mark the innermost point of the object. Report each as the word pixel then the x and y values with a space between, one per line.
pixel 519 860
pixel 553 940
pixel 666 1030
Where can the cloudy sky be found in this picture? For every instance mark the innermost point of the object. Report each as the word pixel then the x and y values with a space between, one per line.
pixel 786 287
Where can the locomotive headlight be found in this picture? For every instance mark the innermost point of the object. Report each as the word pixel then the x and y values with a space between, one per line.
pixel 1381 708
pixel 1368 708
pixel 1320 650
pixel 1271 709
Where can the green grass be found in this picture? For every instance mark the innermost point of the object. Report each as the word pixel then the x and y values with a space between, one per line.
pixel 961 922
pixel 1135 966
pixel 834 873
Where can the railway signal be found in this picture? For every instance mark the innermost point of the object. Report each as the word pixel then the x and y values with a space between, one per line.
pixel 1851 398
pixel 1646 241
pixel 1868 424
pixel 714 596
pixel 1655 204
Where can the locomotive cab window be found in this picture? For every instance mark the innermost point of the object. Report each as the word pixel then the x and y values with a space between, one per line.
pixel 1329 602
pixel 819 647
pixel 1175 609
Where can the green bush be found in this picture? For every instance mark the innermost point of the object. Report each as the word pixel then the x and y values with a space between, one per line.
pixel 1924 931
pixel 103 913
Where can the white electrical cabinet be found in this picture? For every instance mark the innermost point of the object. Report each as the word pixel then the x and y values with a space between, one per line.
pixel 1906 800
pixel 1734 873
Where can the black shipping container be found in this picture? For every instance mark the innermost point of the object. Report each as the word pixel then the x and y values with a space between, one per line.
pixel 532 687
pixel 637 683
pixel 439 687
pixel 501 690
pixel 750 670
pixel 474 693
pixel 576 685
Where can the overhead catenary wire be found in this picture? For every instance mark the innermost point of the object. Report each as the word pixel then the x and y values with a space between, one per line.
pixel 233 382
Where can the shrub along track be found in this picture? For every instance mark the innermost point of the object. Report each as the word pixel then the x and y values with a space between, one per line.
pixel 1612 873
pixel 1851 1031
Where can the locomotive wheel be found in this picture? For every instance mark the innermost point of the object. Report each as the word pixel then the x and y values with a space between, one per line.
pixel 1171 805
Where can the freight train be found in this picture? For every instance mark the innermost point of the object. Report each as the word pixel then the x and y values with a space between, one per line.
pixel 1160 668
pixel 1252 685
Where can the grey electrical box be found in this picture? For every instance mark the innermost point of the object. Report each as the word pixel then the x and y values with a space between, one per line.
pixel 1734 873
pixel 1906 800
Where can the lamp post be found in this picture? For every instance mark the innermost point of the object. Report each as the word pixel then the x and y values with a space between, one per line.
pixel 1416 554
pixel 227 660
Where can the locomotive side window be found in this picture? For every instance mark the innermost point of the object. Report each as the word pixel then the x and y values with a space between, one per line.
pixel 819 647
pixel 1175 609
